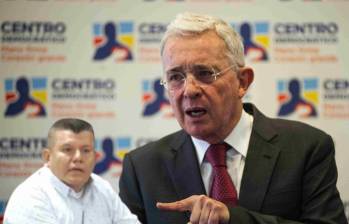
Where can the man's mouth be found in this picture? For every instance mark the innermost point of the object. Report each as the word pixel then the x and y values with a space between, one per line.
pixel 195 112
pixel 77 169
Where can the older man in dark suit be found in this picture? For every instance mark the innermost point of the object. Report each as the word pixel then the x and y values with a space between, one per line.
pixel 230 163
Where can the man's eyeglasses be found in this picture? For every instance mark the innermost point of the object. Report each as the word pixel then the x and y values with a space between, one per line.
pixel 175 79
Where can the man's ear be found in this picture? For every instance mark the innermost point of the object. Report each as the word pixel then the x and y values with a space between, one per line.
pixel 245 76
pixel 45 155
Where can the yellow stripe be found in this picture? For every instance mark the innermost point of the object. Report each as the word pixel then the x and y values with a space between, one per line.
pixel 263 40
pixel 126 39
pixel 40 95
pixel 312 96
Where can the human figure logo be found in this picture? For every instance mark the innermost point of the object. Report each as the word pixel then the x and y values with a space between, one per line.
pixel 25 96
pixel 113 40
pixel 295 100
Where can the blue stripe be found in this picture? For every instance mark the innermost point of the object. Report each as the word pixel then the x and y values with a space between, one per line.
pixel 146 85
pixel 262 27
pixel 9 85
pixel 39 83
pixel 126 27
pixel 98 145
pixel 281 86
pixel 97 29
pixel 310 84
pixel 123 142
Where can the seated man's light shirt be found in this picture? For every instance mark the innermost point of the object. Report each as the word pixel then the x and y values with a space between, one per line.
pixel 239 139
pixel 43 198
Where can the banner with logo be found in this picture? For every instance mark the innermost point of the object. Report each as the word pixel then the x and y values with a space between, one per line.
pixel 99 61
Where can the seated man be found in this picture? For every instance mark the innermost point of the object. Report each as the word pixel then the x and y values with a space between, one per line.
pixel 64 190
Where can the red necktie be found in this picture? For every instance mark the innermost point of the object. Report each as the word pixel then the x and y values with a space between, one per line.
pixel 222 188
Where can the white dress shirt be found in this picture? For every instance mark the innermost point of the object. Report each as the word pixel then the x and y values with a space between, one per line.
pixel 236 156
pixel 43 198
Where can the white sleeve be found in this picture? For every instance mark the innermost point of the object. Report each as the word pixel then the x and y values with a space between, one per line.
pixel 29 206
pixel 121 213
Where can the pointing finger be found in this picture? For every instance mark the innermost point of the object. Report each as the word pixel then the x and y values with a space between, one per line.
pixel 182 205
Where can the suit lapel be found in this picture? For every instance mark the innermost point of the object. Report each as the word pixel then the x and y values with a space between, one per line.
pixel 260 162
pixel 182 164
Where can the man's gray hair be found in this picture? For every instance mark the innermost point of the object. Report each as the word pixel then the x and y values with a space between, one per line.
pixel 191 24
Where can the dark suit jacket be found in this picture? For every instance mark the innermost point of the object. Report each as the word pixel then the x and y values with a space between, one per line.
pixel 290 176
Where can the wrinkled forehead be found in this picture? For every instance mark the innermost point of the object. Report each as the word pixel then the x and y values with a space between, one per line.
pixel 205 48
pixel 208 36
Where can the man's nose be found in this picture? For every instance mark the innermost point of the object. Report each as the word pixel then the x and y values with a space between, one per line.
pixel 77 155
pixel 192 88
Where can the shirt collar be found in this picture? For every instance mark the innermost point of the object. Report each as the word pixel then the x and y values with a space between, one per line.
pixel 238 138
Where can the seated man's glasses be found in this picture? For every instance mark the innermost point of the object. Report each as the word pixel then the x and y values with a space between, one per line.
pixel 176 78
